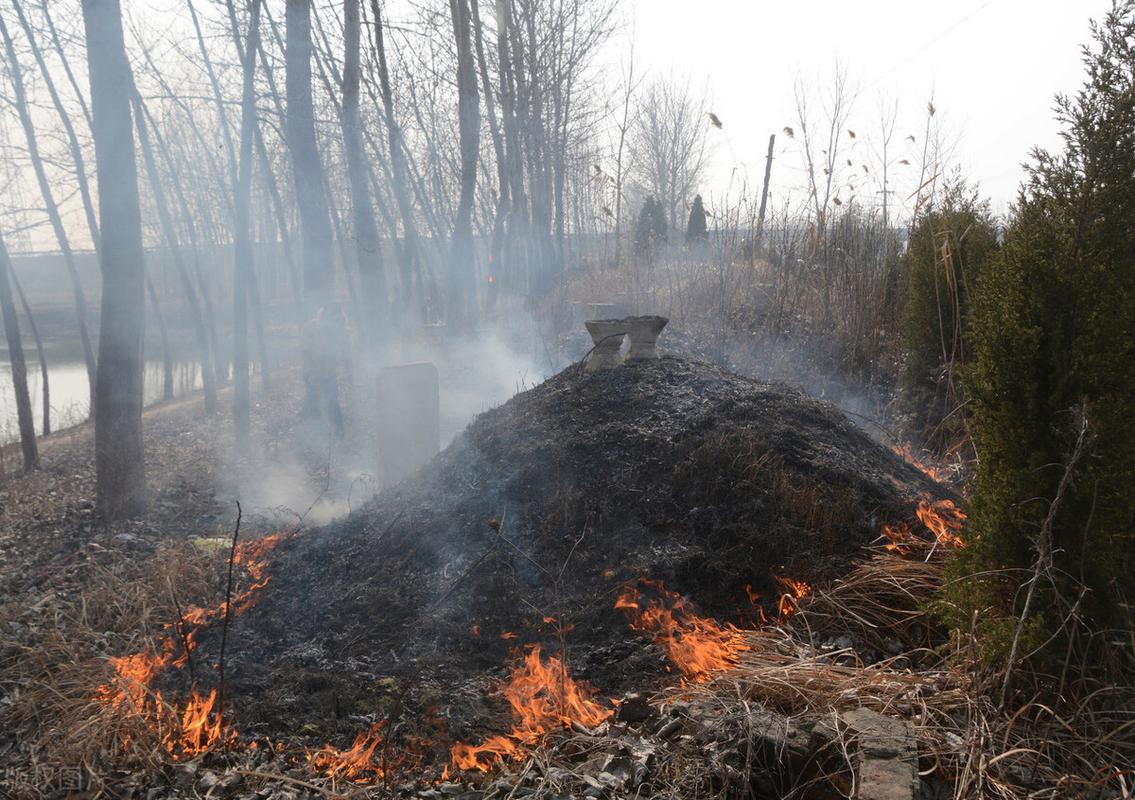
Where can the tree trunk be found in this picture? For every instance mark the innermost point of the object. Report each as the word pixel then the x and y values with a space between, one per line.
pixel 50 205
pixel 315 223
pixel 43 371
pixel 19 365
pixel 163 334
pixel 119 458
pixel 374 298
pixel 496 245
pixel 169 231
pixel 220 366
pixel 408 253
pixel 243 271
pixel 65 119
pixel 460 278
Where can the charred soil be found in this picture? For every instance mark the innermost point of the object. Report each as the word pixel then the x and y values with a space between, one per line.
pixel 526 528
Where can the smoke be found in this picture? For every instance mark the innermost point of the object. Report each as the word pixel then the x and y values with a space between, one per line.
pixel 306 474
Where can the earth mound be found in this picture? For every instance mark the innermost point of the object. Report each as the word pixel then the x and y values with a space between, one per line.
pixel 525 529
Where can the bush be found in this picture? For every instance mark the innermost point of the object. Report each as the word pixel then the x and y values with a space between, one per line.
pixel 949 247
pixel 650 232
pixel 1054 337
pixel 697 232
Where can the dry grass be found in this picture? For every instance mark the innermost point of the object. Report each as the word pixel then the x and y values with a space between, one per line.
pixel 53 677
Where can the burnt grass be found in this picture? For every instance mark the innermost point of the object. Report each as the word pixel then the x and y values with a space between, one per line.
pixel 527 526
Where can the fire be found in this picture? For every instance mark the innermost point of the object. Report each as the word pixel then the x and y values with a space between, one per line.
pixel 543 697
pixel 794 591
pixel 196 726
pixel 906 453
pixel 944 520
pixel 698 646
pixel 941 517
pixel 899 538
pixel 359 763
pixel 133 675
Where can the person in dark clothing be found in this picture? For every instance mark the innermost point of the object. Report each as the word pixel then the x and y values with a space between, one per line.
pixel 323 345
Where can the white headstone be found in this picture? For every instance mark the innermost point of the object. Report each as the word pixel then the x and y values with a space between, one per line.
pixel 409 432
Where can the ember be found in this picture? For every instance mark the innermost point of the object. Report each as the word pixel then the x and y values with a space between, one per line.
pixel 698 646
pixel 794 591
pixel 543 697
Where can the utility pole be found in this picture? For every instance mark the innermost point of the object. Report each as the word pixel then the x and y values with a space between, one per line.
pixel 764 189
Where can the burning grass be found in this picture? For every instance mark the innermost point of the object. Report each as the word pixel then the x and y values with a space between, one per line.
pixel 543 698
pixel 696 645
pixel 196 725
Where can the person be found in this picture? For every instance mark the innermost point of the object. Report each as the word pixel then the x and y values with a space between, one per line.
pixel 323 347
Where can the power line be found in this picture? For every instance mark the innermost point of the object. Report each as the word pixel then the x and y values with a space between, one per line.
pixel 926 46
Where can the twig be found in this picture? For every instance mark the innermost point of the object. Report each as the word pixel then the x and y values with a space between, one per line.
pixel 1044 550
pixel 228 613
pixel 180 628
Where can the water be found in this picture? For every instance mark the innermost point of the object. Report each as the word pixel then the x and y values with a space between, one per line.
pixel 70 394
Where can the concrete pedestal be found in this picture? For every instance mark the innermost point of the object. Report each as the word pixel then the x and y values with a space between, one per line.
pixel 607 334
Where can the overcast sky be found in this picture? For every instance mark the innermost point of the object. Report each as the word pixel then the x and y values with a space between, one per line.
pixel 992 66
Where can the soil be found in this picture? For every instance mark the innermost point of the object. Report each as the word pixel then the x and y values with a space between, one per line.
pixel 527 526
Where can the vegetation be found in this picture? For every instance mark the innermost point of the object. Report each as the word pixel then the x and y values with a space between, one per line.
pixel 651 232
pixel 696 230
pixel 1050 387
pixel 384 189
pixel 948 249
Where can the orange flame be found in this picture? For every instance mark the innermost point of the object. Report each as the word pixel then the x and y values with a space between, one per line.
pixel 358 763
pixel 698 646
pixel 944 520
pixel 794 591
pixel 899 538
pixel 543 697
pixel 197 726
pixel 906 453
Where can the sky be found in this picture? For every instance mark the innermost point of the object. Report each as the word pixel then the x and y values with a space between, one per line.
pixel 992 68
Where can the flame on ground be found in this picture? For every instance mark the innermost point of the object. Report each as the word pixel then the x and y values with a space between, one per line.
pixel 697 646
pixel 198 726
pixel 360 763
pixel 195 726
pixel 906 453
pixel 543 697
pixel 794 591
pixel 941 517
pixel 944 519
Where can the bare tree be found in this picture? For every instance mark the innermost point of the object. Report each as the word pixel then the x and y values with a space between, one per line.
pixel 243 274
pixel 44 372
pixel 630 85
pixel 408 252
pixel 18 363
pixel 469 130
pixel 669 144
pixel 50 203
pixel 365 226
pixel 496 244
pixel 307 169
pixel 169 233
pixel 119 460
pixel 822 144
